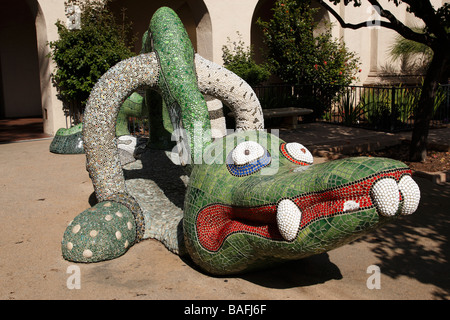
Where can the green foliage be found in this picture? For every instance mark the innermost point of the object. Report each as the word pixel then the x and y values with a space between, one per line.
pixel 83 56
pixel 298 55
pixel 414 56
pixel 239 59
pixel 348 109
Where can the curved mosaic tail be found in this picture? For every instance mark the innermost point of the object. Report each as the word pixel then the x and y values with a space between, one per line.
pixel 170 69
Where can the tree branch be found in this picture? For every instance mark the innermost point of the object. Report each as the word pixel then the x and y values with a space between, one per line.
pixel 350 25
pixel 425 11
pixel 393 24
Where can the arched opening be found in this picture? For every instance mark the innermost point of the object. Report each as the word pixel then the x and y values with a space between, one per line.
pixel 20 94
pixel 193 13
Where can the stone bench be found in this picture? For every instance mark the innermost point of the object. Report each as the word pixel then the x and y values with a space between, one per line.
pixel 291 113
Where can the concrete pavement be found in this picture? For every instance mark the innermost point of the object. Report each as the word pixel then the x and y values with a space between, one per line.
pixel 42 192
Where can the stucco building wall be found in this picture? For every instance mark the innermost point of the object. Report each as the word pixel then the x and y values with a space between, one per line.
pixel 26 26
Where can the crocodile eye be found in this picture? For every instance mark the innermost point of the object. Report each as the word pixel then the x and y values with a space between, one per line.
pixel 297 153
pixel 247 152
pixel 247 158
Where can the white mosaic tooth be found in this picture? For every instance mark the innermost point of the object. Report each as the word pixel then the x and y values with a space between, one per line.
pixel 288 219
pixel 246 152
pixel 351 205
pixel 386 196
pixel 299 152
pixel 411 194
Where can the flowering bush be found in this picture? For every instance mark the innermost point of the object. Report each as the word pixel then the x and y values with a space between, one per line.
pixel 298 55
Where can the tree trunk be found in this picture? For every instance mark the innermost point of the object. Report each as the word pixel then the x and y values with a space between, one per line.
pixel 437 72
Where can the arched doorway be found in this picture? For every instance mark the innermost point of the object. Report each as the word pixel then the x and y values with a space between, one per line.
pixel 19 60
pixel 193 13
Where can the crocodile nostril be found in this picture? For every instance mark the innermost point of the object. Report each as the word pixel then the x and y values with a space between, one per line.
pixel 411 194
pixel 386 196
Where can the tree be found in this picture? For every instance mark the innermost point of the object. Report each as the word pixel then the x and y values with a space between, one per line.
pixel 301 53
pixel 435 36
pixel 83 56
pixel 300 56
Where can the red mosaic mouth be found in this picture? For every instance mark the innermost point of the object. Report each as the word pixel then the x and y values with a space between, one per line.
pixel 216 222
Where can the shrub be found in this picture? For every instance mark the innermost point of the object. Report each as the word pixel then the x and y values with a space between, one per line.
pixel 239 59
pixel 83 56
pixel 299 56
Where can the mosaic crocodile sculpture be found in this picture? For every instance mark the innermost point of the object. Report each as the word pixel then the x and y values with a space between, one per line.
pixel 252 199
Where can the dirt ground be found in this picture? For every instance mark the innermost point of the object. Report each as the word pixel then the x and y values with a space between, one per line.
pixel 42 192
pixel 438 157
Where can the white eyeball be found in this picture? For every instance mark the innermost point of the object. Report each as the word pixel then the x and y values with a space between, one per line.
pixel 298 152
pixel 246 152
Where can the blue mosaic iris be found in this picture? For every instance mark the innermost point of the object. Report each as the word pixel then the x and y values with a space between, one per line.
pixel 249 168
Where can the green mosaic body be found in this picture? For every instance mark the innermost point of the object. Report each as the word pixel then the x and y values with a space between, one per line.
pixel 178 80
pixel 68 141
pixel 108 233
pixel 213 184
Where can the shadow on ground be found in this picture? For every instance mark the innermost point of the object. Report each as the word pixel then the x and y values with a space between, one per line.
pixel 301 273
pixel 418 246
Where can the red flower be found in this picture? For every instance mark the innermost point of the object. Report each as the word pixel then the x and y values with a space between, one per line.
pixel 360 70
pixel 325 63
pixel 316 66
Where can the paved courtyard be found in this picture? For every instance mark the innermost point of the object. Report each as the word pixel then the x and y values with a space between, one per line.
pixel 42 192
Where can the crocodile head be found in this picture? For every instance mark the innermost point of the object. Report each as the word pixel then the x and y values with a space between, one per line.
pixel 257 200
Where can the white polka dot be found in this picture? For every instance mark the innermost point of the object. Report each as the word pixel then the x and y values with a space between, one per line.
pixel 93 233
pixel 129 225
pixel 69 245
pixel 126 244
pixel 108 204
pixel 108 217
pixel 118 235
pixel 119 214
pixel 76 228
pixel 87 253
